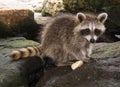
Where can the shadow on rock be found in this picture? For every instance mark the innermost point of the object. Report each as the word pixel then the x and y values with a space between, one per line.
pixel 32 69
pixel 98 73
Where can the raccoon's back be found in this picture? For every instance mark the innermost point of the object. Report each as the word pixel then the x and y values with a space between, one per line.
pixel 59 29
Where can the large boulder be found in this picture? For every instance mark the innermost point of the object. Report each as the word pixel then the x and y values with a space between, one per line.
pixel 17 22
pixel 22 73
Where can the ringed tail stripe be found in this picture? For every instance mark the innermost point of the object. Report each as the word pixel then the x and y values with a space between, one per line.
pixel 26 52
pixel 32 51
pixel 37 51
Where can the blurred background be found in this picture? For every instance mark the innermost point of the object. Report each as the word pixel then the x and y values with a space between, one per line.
pixel 26 17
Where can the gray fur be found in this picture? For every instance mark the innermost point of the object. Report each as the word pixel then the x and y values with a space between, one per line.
pixel 62 42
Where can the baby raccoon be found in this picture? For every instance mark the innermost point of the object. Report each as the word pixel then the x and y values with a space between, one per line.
pixel 67 37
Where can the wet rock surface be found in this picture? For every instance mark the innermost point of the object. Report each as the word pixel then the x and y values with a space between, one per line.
pixel 102 71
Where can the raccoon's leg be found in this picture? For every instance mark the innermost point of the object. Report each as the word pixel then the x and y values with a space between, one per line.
pixel 55 53
pixel 85 56
pixel 80 55
pixel 89 51
pixel 62 60
pixel 86 53
pixel 68 60
pixel 58 55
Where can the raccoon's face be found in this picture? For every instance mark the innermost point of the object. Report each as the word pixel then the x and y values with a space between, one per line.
pixel 91 31
pixel 91 27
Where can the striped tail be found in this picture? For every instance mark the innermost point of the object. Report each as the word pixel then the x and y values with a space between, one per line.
pixel 26 52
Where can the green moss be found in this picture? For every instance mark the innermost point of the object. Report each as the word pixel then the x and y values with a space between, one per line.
pixel 17 42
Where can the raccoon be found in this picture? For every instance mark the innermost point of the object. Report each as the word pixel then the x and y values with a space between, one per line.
pixel 67 37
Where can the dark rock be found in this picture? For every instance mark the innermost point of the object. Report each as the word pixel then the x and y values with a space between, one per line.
pixel 87 76
pixel 102 71
pixel 22 73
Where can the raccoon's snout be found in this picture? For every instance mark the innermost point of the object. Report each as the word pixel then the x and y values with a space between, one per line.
pixel 92 40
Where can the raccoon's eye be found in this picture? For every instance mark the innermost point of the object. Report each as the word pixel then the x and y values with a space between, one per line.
pixel 97 32
pixel 85 31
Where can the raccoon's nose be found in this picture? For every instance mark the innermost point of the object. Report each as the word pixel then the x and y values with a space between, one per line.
pixel 92 40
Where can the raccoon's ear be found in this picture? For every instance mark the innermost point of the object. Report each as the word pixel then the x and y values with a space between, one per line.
pixel 102 17
pixel 81 16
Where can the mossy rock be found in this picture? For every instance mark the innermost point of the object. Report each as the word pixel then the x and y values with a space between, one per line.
pixel 105 50
pixel 22 73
